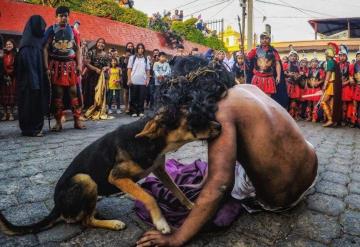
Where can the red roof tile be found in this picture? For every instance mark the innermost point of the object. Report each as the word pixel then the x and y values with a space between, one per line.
pixel 14 15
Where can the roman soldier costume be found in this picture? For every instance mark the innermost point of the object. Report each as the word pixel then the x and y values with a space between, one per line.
pixel 63 43
pixel 62 58
pixel 292 77
pixel 304 71
pixel 331 102
pixel 346 76
pixel 356 91
pixel 315 80
pixel 264 58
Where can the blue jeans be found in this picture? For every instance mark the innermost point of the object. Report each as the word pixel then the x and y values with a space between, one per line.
pixel 111 93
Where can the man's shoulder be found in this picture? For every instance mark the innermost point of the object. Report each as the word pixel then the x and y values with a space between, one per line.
pixel 49 31
pixel 273 48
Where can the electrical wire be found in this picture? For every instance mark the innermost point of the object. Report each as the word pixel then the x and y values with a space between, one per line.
pixel 294 7
pixel 209 7
pixel 289 6
pixel 227 5
pixel 186 4
pixel 200 4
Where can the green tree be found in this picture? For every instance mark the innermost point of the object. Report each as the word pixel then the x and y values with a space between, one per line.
pixel 188 30
pixel 102 8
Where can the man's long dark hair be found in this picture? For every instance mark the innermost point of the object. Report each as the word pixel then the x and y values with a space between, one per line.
pixel 195 86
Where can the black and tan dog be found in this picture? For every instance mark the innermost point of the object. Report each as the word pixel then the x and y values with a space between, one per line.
pixel 115 162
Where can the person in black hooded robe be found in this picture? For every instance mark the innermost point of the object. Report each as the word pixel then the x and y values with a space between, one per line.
pixel 1 60
pixel 32 85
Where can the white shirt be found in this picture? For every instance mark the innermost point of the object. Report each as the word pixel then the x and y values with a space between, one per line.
pixel 161 69
pixel 138 69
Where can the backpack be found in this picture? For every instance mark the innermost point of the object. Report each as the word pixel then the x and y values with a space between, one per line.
pixel 133 62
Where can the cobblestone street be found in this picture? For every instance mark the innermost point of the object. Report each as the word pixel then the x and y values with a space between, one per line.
pixel 30 168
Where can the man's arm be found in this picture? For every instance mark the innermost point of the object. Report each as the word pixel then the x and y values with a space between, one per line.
pixel 222 157
pixel 278 71
pixel 147 77
pixel 78 60
pixel 46 60
pixel 129 82
pixel 129 70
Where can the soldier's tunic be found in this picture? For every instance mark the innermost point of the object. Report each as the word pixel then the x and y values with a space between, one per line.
pixel 292 80
pixel 356 88
pixel 314 76
pixel 63 44
pixel 346 71
pixel 265 59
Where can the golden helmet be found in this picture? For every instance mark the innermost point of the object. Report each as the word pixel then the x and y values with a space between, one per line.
pixel 332 50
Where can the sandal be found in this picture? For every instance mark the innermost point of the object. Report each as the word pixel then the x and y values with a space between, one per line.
pixel 11 117
pixel 40 134
pixel 79 125
pixel 56 128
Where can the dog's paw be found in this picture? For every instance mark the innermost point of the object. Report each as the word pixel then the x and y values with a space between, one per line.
pixel 162 226
pixel 118 225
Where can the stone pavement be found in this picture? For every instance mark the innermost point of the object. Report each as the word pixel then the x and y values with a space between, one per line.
pixel 30 167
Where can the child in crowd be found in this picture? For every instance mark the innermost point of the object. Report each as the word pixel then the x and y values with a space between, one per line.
pixel 347 71
pixel 114 85
pixel 315 80
pixel 161 71
pixel 356 92
pixel 238 68
pixel 292 75
pixel 303 71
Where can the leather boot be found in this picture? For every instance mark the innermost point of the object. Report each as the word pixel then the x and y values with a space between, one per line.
pixel 315 114
pixel 308 114
pixel 353 118
pixel 59 107
pixel 327 112
pixel 76 109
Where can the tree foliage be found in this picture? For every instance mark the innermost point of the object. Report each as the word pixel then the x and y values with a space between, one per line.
pixel 102 8
pixel 188 30
pixel 110 9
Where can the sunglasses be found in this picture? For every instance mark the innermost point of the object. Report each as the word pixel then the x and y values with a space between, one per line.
pixel 63 15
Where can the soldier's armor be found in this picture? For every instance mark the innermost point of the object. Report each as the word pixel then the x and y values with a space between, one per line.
pixel 265 60
pixel 62 46
pixel 314 76
pixel 293 68
pixel 357 72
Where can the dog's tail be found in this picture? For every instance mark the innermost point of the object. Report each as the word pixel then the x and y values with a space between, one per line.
pixel 11 229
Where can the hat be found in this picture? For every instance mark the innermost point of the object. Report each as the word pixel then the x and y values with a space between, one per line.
pixel 264 35
pixel 332 50
pixel 77 22
pixel 344 50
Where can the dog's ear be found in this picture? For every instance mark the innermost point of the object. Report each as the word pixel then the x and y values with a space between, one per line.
pixel 151 130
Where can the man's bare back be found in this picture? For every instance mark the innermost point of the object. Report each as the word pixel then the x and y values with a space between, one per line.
pixel 259 133
pixel 270 147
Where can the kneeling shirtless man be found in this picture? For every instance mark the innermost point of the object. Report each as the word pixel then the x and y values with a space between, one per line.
pixel 259 134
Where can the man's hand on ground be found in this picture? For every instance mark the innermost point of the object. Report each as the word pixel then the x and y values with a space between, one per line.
pixel 156 238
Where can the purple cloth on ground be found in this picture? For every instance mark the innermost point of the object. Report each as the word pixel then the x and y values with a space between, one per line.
pixel 190 179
